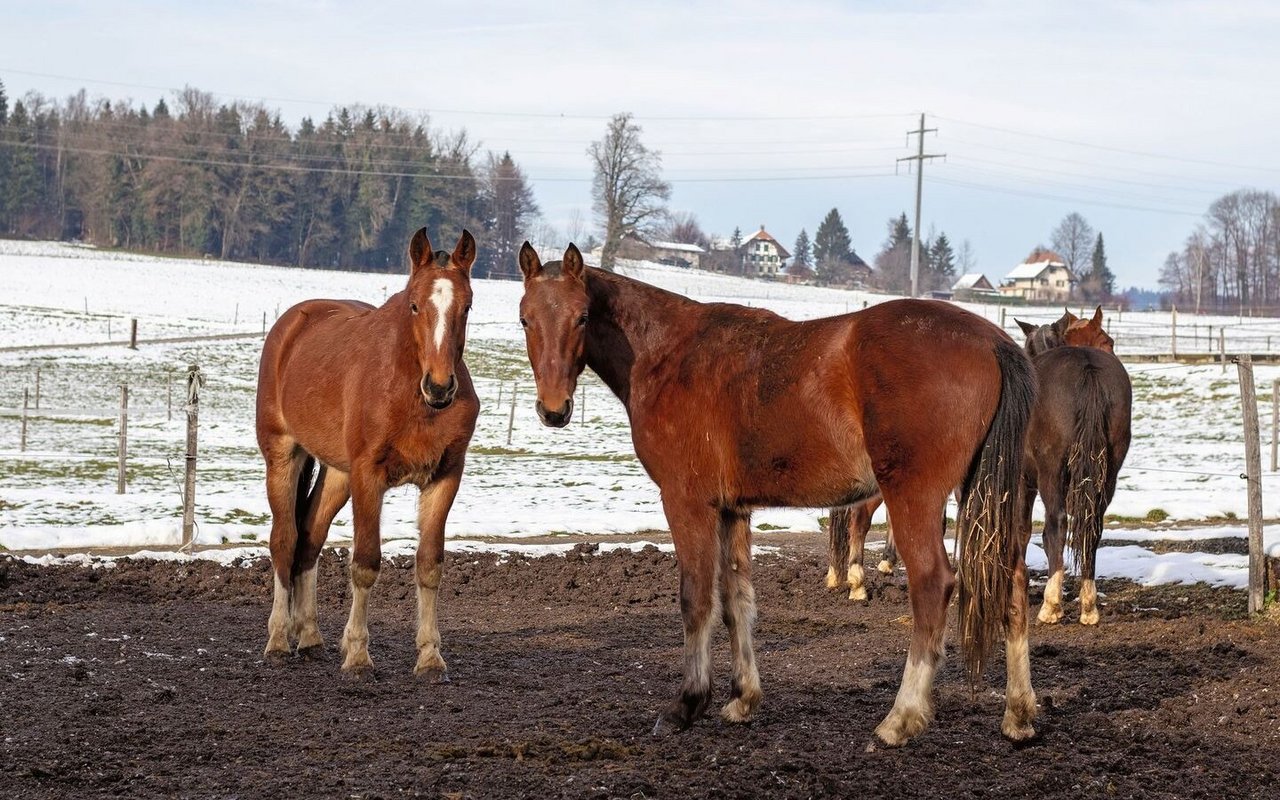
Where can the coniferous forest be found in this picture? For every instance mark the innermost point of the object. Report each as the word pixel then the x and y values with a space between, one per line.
pixel 230 180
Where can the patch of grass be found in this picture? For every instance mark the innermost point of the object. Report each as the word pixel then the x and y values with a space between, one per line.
pixel 238 516
pixel 1231 515
pixel 249 537
pixel 765 526
pixel 1157 515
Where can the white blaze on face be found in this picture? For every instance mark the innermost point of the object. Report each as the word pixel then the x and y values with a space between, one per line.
pixel 442 299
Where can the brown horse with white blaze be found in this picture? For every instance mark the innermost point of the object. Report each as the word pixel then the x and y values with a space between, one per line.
pixel 378 398
pixel 735 408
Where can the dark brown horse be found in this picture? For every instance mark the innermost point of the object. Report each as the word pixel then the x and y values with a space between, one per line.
pixel 1078 440
pixel 378 397
pixel 735 408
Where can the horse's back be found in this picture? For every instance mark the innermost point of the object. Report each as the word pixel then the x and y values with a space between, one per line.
pixel 1078 385
pixel 305 345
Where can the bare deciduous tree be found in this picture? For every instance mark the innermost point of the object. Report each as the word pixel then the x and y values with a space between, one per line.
pixel 1073 240
pixel 628 191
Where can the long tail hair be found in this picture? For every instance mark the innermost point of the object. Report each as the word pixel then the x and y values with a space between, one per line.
pixel 988 534
pixel 1086 470
pixel 309 485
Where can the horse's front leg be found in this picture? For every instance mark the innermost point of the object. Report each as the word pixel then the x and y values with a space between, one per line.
pixel 694 531
pixel 366 562
pixel 434 503
pixel 738 605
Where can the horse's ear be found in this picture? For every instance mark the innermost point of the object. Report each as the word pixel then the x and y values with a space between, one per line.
pixel 464 254
pixel 1097 318
pixel 530 264
pixel 420 253
pixel 1069 316
pixel 572 263
pixel 1027 327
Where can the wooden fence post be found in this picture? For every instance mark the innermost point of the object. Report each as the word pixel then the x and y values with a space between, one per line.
pixel 1275 422
pixel 195 381
pixel 1253 474
pixel 169 386
pixel 501 385
pixel 1173 348
pixel 22 442
pixel 511 420
pixel 1222 347
pixel 582 403
pixel 133 334
pixel 37 388
pixel 123 446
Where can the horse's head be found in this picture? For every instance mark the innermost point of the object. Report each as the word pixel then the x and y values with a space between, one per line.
pixel 436 303
pixel 1089 333
pixel 553 312
pixel 1045 337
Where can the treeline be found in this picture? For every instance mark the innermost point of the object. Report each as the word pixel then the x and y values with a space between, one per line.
pixel 1231 261
pixel 232 181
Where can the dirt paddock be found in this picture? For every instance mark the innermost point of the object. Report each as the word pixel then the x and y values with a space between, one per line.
pixel 146 680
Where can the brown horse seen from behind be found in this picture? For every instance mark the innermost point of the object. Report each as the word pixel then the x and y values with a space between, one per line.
pixel 1078 440
pixel 377 398
pixel 735 408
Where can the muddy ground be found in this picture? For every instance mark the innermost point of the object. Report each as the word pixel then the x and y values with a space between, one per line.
pixel 146 680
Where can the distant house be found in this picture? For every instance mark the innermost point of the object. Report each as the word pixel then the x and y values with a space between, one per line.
pixel 676 254
pixel 1043 277
pixel 762 254
pixel 972 285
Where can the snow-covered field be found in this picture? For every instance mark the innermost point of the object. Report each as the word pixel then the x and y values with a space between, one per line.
pixel 1184 465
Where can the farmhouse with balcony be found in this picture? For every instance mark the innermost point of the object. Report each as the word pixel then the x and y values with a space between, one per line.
pixel 1043 277
pixel 762 255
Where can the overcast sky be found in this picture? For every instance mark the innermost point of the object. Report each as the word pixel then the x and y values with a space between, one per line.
pixel 1135 114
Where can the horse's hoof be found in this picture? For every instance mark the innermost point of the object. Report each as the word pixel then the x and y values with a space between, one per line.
pixel 1049 616
pixel 276 658
pixel 358 674
pixel 737 711
pixel 665 726
pixel 431 675
pixel 1018 733
pixel 833 582
pixel 901 727
pixel 1089 617
pixel 313 652
pixel 885 567
pixel 858 595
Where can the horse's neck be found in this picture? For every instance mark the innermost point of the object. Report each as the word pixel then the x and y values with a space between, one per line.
pixel 630 322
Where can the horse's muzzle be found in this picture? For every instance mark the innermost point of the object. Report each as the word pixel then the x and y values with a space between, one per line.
pixel 555 419
pixel 437 396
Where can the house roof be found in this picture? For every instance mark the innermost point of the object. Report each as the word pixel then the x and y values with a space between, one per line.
pixel 681 246
pixel 1032 270
pixel 969 280
pixel 764 235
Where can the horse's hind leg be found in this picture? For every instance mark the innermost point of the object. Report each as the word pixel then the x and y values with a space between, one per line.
pixel 738 607
pixel 838 527
pixel 859 524
pixel 434 503
pixel 366 562
pixel 1020 698
pixel 285 461
pixel 328 497
pixel 694 531
pixel 930 581
pixel 1054 540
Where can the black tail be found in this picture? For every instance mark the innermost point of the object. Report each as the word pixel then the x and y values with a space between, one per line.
pixel 308 486
pixel 838 541
pixel 987 528
pixel 1087 465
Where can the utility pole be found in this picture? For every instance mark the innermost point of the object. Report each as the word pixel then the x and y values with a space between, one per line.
pixel 919 158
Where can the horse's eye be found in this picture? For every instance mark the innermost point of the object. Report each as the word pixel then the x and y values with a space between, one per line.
pixel 582 320
pixel 524 322
pixel 413 308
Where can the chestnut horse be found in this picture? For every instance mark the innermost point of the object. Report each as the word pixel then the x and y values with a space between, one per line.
pixel 735 408
pixel 1077 441
pixel 378 397
pixel 847 529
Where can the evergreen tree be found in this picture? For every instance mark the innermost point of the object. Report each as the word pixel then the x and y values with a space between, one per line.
pixel 802 256
pixel 4 106
pixel 893 262
pixel 161 110
pixel 942 263
pixel 899 231
pixel 832 250
pixel 1100 283
pixel 509 211
pixel 22 187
